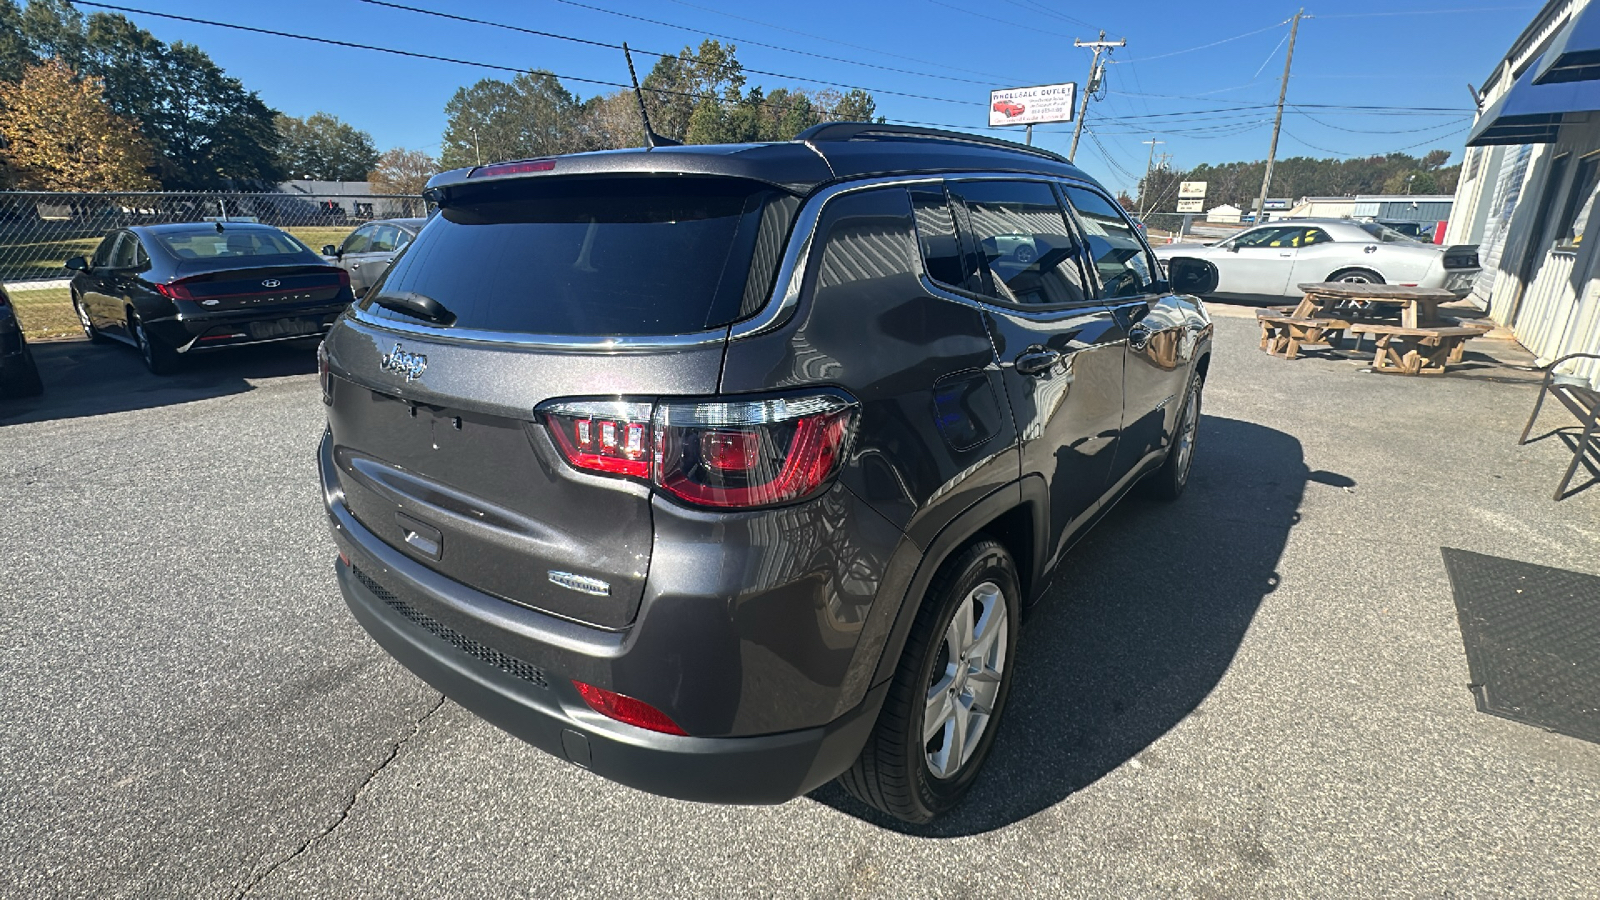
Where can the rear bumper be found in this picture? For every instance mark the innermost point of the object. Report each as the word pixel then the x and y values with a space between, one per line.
pixel 1460 281
pixel 545 710
pixel 752 677
pixel 189 331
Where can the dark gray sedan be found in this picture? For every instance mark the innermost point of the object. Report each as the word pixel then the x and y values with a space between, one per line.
pixel 368 251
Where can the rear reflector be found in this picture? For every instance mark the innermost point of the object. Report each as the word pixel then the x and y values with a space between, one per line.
pixel 624 709
pixel 725 454
pixel 521 167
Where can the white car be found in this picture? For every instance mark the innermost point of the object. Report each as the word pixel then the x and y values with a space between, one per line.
pixel 1272 260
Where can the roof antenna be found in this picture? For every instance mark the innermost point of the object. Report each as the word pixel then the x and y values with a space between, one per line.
pixel 651 139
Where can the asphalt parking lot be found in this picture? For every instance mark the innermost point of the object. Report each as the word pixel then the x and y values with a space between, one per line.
pixel 1258 691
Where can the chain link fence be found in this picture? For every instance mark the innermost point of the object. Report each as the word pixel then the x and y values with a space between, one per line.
pixel 40 231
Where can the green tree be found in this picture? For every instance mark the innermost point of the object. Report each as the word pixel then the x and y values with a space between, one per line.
pixel 59 135
pixel 206 130
pixel 15 55
pixel 530 116
pixel 325 148
pixel 677 85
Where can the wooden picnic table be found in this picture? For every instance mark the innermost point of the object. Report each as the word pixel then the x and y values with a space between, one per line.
pixel 1417 307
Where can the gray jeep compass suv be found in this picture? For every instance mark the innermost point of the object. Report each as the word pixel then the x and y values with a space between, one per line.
pixel 724 471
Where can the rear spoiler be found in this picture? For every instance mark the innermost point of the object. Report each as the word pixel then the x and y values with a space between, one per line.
pixel 1461 256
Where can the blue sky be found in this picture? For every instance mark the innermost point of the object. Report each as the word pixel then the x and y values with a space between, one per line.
pixel 1417 53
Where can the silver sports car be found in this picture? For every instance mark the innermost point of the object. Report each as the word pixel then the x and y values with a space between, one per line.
pixel 1271 260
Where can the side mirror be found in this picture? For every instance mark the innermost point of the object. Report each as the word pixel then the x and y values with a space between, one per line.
pixel 330 250
pixel 1188 275
pixel 1232 248
pixel 77 264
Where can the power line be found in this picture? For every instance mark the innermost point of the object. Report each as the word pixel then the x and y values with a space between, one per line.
pixel 1041 9
pixel 593 43
pixel 1370 130
pixel 804 34
pixel 1423 12
pixel 391 50
pixel 699 31
pixel 1030 28
pixel 1237 37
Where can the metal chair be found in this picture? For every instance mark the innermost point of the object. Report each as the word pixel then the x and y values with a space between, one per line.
pixel 1580 399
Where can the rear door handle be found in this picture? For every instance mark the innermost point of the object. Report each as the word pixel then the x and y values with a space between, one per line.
pixel 1138 337
pixel 1038 361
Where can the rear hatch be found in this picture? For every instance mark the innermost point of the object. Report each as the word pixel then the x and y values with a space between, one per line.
pixel 548 288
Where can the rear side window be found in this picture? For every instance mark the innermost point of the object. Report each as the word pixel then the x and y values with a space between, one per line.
pixel 936 235
pixel 212 244
pixel 1025 247
pixel 1119 256
pixel 587 256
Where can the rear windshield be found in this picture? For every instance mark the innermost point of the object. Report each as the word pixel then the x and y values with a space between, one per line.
pixel 613 256
pixel 212 244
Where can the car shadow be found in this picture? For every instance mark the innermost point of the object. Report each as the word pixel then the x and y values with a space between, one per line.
pixel 1141 622
pixel 84 379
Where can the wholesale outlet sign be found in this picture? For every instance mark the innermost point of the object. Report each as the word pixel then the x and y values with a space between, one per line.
pixel 1032 105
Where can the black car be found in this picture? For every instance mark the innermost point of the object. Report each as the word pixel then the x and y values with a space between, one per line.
pixel 723 471
pixel 19 377
pixel 176 289
pixel 367 252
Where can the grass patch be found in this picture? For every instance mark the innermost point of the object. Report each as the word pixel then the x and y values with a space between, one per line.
pixel 26 260
pixel 45 314
pixel 317 235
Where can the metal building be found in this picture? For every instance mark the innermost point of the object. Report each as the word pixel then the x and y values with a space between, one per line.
pixel 1528 186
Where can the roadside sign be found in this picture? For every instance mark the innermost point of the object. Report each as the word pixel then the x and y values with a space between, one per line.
pixel 1032 105
pixel 1277 204
pixel 1191 190
pixel 1191 206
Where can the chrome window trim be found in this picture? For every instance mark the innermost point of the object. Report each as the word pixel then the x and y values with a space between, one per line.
pixel 628 343
pixel 785 295
pixel 792 271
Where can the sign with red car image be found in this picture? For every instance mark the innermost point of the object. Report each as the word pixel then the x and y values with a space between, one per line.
pixel 1032 105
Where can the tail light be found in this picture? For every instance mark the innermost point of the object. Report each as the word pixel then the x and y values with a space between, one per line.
pixel 325 373
pixel 177 290
pixel 638 713
pixel 344 278
pixel 723 454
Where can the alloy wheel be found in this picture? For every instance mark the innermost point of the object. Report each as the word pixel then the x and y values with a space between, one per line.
pixel 966 680
pixel 1188 430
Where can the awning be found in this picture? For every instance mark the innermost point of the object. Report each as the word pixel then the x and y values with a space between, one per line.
pixel 1575 53
pixel 1534 113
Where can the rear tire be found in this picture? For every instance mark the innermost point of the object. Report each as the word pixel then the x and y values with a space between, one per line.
pixel 953 672
pixel 21 377
pixel 1168 482
pixel 158 357
pixel 1356 276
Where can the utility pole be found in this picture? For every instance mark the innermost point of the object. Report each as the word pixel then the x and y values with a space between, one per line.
pixel 475 154
pixel 1095 73
pixel 1149 167
pixel 1277 124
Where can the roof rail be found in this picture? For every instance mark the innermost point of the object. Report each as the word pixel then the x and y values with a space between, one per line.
pixel 854 131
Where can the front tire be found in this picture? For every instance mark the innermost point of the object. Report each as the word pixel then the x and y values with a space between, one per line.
pixel 1168 482
pixel 158 357
pixel 89 331
pixel 944 705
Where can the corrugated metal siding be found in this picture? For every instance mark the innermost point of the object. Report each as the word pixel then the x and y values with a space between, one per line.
pixel 1427 211
pixel 1553 321
pixel 1508 189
